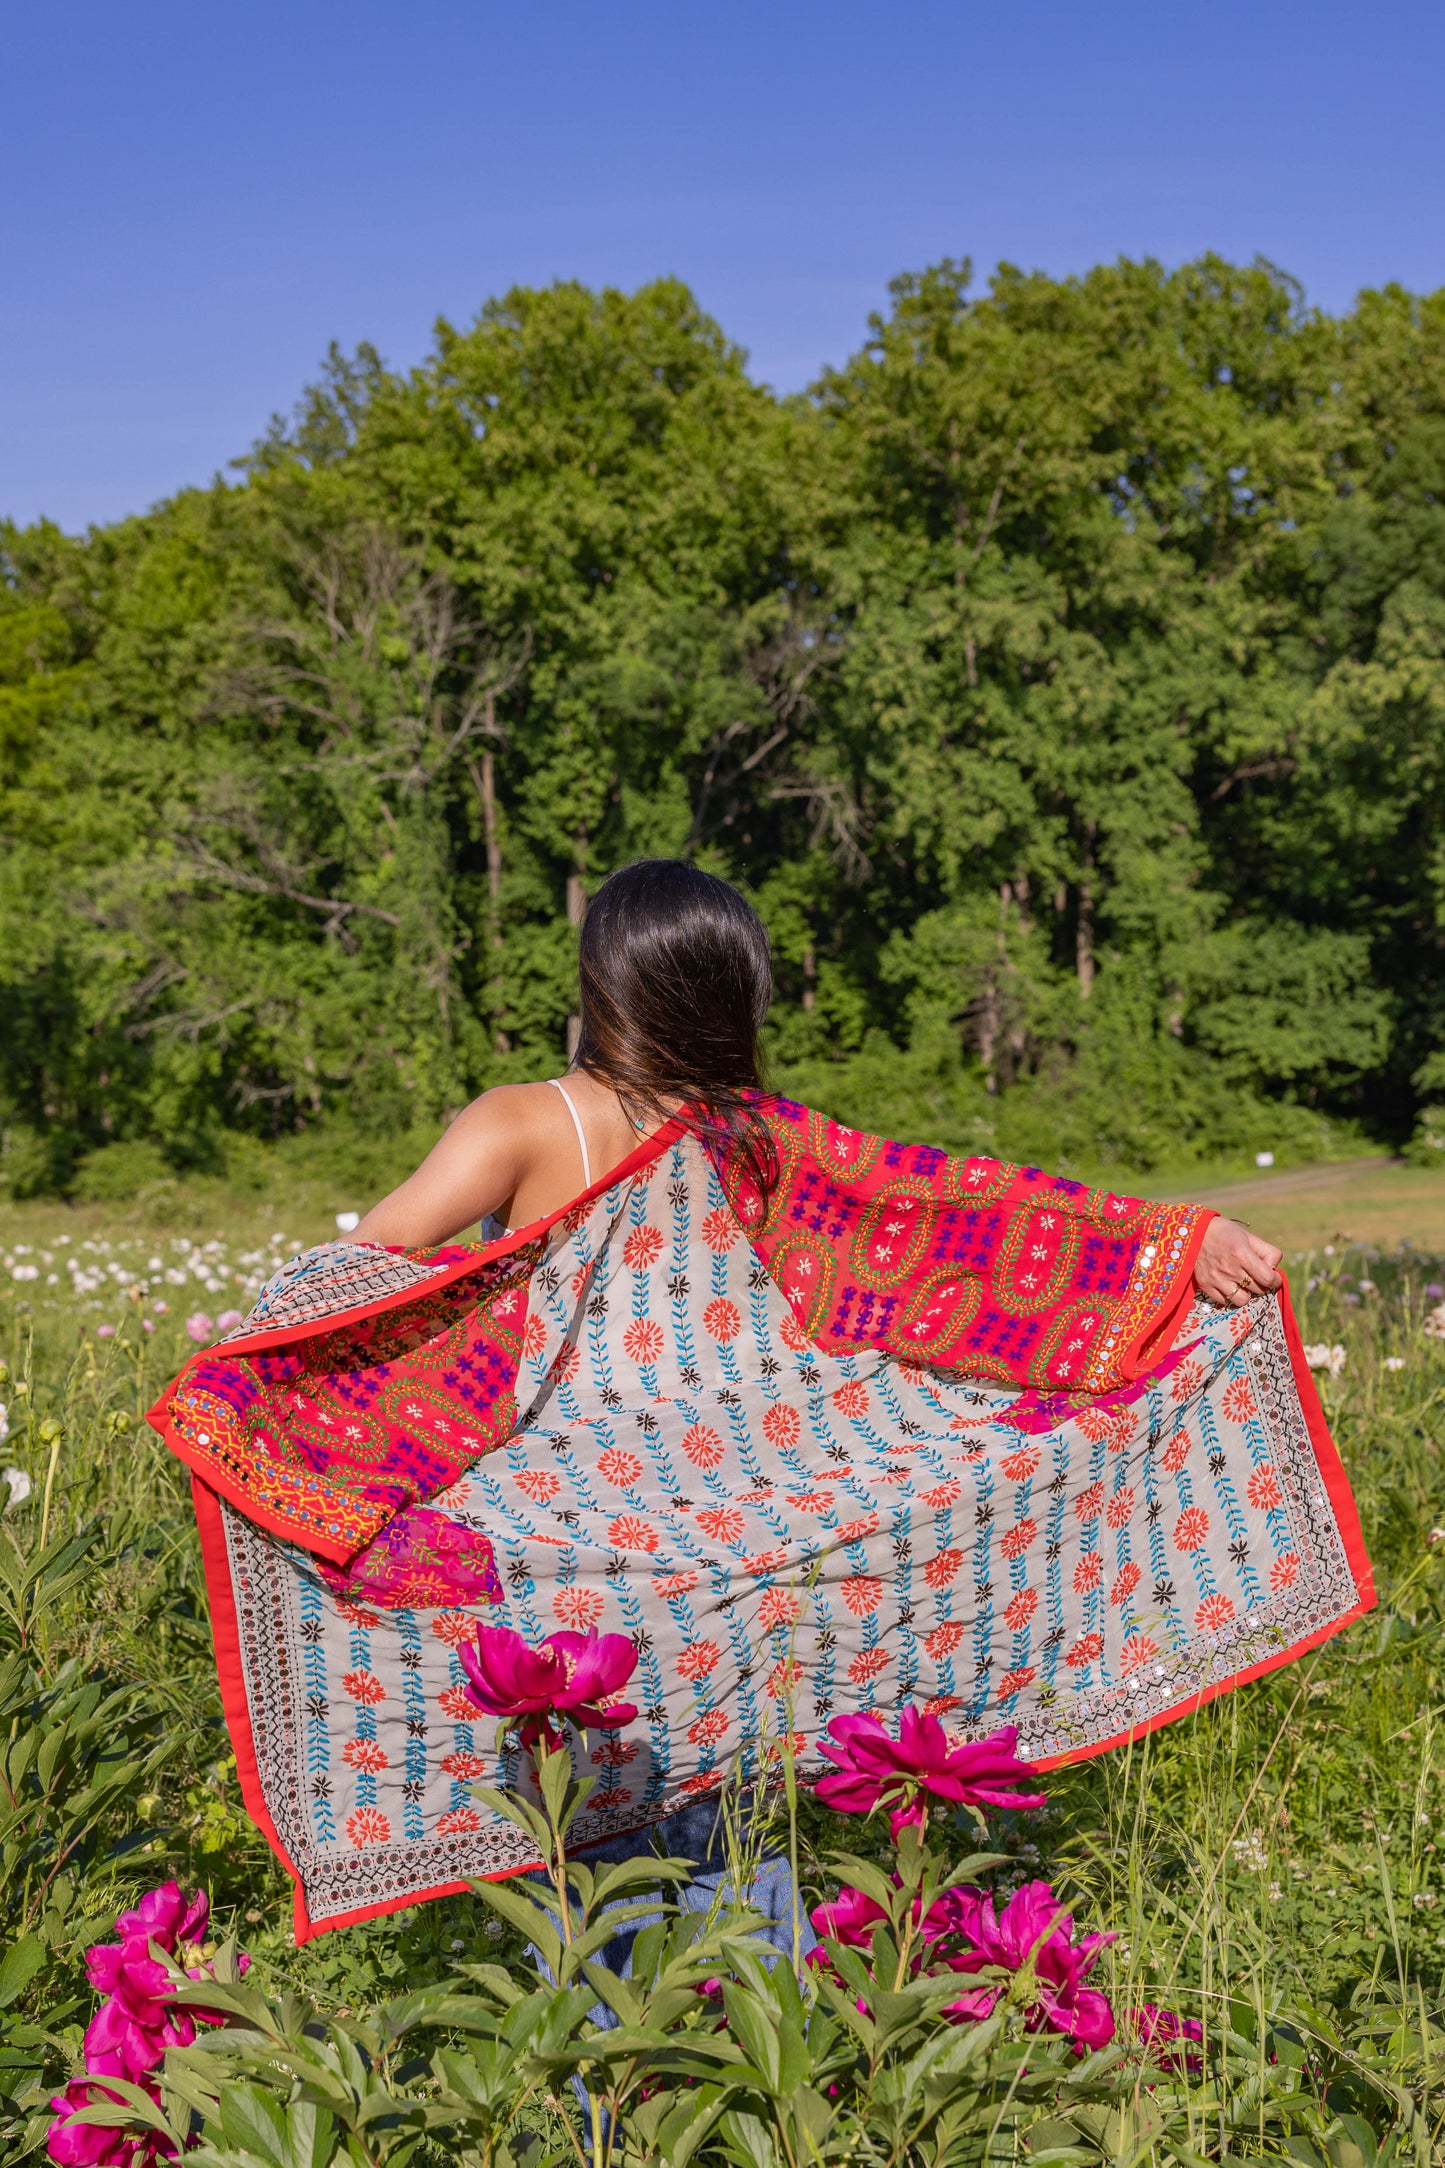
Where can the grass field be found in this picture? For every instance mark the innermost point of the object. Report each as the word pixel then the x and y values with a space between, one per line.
pixel 1274 1864
pixel 1377 1202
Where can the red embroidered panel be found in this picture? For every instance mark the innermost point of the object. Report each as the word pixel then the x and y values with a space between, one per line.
pixel 974 1266
pixel 329 1438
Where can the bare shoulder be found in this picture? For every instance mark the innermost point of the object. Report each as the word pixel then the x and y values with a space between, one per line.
pixel 512 1113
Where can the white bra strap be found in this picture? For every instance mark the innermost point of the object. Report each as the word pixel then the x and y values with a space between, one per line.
pixel 556 1081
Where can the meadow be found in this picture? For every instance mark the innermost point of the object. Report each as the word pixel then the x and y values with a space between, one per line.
pixel 1270 1867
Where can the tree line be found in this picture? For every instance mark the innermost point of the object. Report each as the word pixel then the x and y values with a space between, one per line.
pixel 1063 676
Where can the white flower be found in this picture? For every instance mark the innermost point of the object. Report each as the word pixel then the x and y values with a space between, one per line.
pixel 1394 1362
pixel 19 1483
pixel 1433 1327
pixel 1320 1357
pixel 25 1272
pixel 347 1220
pixel 1250 1851
pixel 1264 1159
pixel 1367 1287
pixel 4 1422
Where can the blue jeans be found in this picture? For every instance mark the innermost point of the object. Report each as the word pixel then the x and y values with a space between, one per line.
pixel 695 1833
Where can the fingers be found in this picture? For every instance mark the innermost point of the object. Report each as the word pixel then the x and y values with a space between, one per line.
pixel 1234 1265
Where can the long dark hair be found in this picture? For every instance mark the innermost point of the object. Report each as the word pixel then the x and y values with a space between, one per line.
pixel 676 975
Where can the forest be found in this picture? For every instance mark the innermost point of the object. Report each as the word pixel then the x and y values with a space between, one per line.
pixel 1063 676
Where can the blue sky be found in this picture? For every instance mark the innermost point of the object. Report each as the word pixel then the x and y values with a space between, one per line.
pixel 197 198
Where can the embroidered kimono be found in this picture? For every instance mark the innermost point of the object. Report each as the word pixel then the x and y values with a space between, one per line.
pixel 918 1429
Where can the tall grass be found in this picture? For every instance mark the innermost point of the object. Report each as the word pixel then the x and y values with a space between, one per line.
pixel 1272 1864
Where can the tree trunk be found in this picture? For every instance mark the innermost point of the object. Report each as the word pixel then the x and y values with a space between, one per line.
pixel 494 892
pixel 1084 931
pixel 810 976
pixel 576 912
pixel 485 781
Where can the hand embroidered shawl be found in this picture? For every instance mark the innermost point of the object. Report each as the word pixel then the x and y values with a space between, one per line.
pixel 925 1429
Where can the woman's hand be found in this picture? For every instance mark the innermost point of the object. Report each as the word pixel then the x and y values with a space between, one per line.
pixel 1233 1265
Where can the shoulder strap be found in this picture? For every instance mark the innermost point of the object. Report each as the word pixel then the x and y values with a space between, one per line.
pixel 558 1085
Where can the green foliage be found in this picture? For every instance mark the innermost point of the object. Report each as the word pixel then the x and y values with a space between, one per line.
pixel 1272 1866
pixel 1065 676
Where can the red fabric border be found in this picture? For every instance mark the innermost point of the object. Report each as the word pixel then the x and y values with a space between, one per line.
pixel 1342 1499
pixel 1154 1339
pixel 226 1641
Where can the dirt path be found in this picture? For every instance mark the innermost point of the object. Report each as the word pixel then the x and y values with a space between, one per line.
pixel 1336 1176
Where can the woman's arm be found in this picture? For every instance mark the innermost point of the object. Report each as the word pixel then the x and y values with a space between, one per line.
pixel 1233 1265
pixel 474 1169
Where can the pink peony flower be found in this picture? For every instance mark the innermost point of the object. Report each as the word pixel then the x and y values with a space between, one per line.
pixel 876 1770
pixel 167 1916
pixel 138 2020
pixel 569 1674
pixel 1161 2030
pixel 122 2041
pixel 1034 1928
pixel 199 1326
pixel 98 2145
pixel 850 1918
pixel 953 1914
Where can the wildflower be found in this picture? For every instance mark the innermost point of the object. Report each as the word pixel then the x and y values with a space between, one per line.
pixel 19 1483
pixel 1434 1325
pixel 1033 1935
pixel 570 1674
pixel 875 1770
pixel 199 1326
pixel 1264 1159
pixel 346 1221
pixel 105 1332
pixel 1161 2030
pixel 4 1416
pixel 1434 1290
pixel 1367 1287
pixel 228 1320
pixel 1333 1359
pixel 1394 1362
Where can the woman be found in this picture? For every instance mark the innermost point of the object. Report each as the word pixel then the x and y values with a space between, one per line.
pixel 676 980
pixel 821 1422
